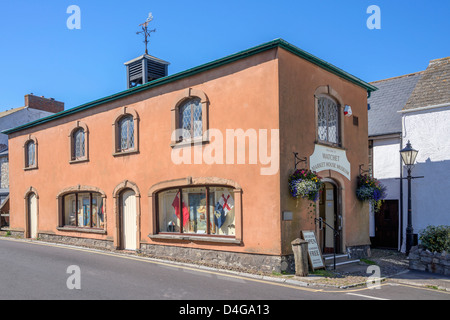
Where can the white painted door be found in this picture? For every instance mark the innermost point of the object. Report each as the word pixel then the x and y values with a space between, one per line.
pixel 129 223
pixel 32 218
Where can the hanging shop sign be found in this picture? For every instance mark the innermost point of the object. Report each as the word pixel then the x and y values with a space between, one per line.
pixel 328 158
pixel 314 254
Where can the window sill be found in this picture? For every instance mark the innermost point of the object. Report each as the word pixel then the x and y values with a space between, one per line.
pixel 125 153
pixel 30 168
pixel 194 238
pixel 189 143
pixel 83 230
pixel 78 161
pixel 331 145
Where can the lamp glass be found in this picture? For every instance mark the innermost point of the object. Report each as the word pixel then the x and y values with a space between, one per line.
pixel 409 155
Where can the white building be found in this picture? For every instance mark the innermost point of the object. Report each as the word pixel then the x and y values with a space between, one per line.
pixel 415 108
pixel 35 108
pixel 426 124
pixel 385 141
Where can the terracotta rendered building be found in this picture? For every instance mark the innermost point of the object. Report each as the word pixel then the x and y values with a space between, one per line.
pixel 195 165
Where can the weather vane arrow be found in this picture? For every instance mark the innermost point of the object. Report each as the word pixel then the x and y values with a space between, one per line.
pixel 145 31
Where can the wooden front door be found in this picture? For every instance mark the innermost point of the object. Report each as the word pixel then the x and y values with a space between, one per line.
pixel 128 220
pixel 386 225
pixel 32 216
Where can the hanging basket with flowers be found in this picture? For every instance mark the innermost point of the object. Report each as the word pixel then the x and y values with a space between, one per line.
pixel 305 184
pixel 370 189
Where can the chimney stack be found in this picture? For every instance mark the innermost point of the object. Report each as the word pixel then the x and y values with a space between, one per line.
pixel 44 104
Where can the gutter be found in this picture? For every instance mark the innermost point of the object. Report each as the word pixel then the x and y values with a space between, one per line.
pixel 436 106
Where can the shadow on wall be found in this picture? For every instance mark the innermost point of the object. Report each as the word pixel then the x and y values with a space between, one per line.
pixel 430 195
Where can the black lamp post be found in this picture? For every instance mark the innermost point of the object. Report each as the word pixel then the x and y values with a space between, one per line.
pixel 409 157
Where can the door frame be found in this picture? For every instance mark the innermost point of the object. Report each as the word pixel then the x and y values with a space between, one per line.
pixel 395 223
pixel 28 194
pixel 117 195
pixel 338 214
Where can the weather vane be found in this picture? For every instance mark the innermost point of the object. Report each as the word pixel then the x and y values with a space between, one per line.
pixel 145 30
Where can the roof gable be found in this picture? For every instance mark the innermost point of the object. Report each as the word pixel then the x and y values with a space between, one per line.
pixel 385 104
pixel 433 87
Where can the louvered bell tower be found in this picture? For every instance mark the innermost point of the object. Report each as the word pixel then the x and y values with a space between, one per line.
pixel 145 68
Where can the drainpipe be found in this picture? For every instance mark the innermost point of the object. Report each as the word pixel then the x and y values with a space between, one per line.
pixel 401 194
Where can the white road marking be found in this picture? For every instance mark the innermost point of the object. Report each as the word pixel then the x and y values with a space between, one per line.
pixel 364 296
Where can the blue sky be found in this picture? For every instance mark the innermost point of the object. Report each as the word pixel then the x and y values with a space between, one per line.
pixel 40 55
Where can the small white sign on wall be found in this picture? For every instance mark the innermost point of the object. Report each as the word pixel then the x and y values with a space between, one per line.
pixel 328 158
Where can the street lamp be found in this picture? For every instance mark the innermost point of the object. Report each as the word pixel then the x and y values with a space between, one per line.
pixel 409 157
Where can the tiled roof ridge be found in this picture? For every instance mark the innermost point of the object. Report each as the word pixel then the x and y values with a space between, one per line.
pixel 398 77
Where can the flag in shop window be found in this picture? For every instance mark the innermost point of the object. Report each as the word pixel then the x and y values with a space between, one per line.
pixel 221 209
pixel 176 206
pixel 101 211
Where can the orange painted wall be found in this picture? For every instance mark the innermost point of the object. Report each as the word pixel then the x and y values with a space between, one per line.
pixel 243 95
pixel 299 80
pixel 271 90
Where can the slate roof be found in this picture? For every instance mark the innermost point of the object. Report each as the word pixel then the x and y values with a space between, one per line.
pixel 434 86
pixel 385 103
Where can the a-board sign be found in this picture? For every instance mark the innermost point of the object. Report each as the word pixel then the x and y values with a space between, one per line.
pixel 314 254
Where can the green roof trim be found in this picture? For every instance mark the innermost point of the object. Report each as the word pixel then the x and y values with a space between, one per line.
pixel 277 43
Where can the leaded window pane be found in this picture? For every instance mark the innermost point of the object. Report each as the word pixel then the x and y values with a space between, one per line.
pixel 198 125
pixel 191 119
pixel 79 144
pixel 186 121
pixel 31 154
pixel 126 127
pixel 322 122
pixel 328 120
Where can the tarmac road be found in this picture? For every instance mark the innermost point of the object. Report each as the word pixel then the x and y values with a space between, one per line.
pixel 34 270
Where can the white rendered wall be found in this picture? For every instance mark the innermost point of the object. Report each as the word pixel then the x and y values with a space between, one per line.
pixel 429 133
pixel 386 168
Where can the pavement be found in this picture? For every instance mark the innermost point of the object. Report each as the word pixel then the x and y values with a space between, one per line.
pixel 393 268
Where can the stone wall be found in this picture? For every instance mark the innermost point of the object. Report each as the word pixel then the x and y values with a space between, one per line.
pixel 92 243
pixel 424 260
pixel 4 170
pixel 239 261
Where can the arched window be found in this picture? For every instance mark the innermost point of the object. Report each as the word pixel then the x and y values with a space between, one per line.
pixel 190 119
pixel 328 121
pixel 126 132
pixel 83 209
pixel 79 144
pixel 200 210
pixel 30 153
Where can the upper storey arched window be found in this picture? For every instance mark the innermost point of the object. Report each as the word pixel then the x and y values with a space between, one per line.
pixel 30 153
pixel 30 160
pixel 79 142
pixel 190 119
pixel 126 132
pixel 328 121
